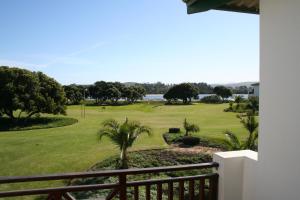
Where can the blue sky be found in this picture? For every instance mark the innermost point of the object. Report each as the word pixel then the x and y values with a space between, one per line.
pixel 128 41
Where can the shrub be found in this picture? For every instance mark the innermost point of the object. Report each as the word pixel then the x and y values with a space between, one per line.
pixel 174 130
pixel 214 99
pixel 176 138
pixel 171 137
pixel 246 106
pixel 190 140
pixel 214 143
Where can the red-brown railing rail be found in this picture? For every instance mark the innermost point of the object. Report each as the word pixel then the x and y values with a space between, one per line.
pixel 206 184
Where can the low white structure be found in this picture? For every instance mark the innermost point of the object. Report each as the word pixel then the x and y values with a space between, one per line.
pixel 255 90
pixel 276 174
pixel 237 171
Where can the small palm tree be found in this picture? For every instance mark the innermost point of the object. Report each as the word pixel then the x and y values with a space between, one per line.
pixel 251 124
pixel 253 104
pixel 234 142
pixel 190 128
pixel 238 99
pixel 123 135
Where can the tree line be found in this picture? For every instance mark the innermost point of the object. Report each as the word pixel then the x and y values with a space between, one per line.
pixel 161 88
pixel 187 91
pixel 203 88
pixel 112 92
pixel 104 93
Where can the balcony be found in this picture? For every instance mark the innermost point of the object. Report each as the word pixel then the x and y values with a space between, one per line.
pixel 201 186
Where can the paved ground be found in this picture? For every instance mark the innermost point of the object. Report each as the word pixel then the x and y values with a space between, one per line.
pixel 195 149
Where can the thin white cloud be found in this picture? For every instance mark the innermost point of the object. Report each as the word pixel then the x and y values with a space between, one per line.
pixel 17 63
pixel 68 59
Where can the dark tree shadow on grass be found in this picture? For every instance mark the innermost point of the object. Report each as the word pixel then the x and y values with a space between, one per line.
pixel 6 124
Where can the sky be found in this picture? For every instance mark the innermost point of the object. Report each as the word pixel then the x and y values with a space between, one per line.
pixel 83 41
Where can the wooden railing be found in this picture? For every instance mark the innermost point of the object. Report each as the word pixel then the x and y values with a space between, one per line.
pixel 203 186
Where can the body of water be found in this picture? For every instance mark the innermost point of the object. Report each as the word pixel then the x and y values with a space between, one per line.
pixel 159 97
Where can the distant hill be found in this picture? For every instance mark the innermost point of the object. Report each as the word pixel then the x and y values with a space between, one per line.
pixel 130 83
pixel 248 84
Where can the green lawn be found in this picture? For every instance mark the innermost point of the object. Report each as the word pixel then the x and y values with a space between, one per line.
pixel 76 147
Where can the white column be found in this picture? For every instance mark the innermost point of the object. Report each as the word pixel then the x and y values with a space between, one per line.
pixel 237 172
pixel 279 139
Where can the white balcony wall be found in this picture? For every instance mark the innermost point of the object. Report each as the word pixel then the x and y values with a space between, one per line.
pixel 237 174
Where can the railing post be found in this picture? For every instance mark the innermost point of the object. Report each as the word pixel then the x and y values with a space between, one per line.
pixel 214 182
pixel 55 196
pixel 123 186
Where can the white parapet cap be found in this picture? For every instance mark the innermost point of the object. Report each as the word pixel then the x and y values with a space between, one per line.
pixel 234 154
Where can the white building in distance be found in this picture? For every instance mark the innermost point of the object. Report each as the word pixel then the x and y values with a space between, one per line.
pixel 255 90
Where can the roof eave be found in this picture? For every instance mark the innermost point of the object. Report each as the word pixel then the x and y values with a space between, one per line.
pixel 202 6
pixel 195 6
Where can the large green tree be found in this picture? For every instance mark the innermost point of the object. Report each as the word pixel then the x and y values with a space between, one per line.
pixel 183 91
pixel 23 92
pixel 52 98
pixel 223 92
pixel 113 94
pixel 74 93
pixel 123 135
pixel 106 92
pixel 99 91
pixel 133 93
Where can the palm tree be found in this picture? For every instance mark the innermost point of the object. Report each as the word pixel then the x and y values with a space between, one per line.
pixel 238 99
pixel 234 142
pixel 190 127
pixel 251 124
pixel 253 104
pixel 123 135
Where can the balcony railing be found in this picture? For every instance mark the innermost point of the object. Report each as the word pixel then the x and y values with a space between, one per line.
pixel 203 186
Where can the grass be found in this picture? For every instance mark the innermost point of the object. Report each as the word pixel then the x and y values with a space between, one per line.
pixel 77 147
pixel 35 123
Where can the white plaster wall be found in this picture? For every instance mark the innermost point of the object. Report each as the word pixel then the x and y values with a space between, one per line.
pixel 279 140
pixel 237 174
pixel 250 177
